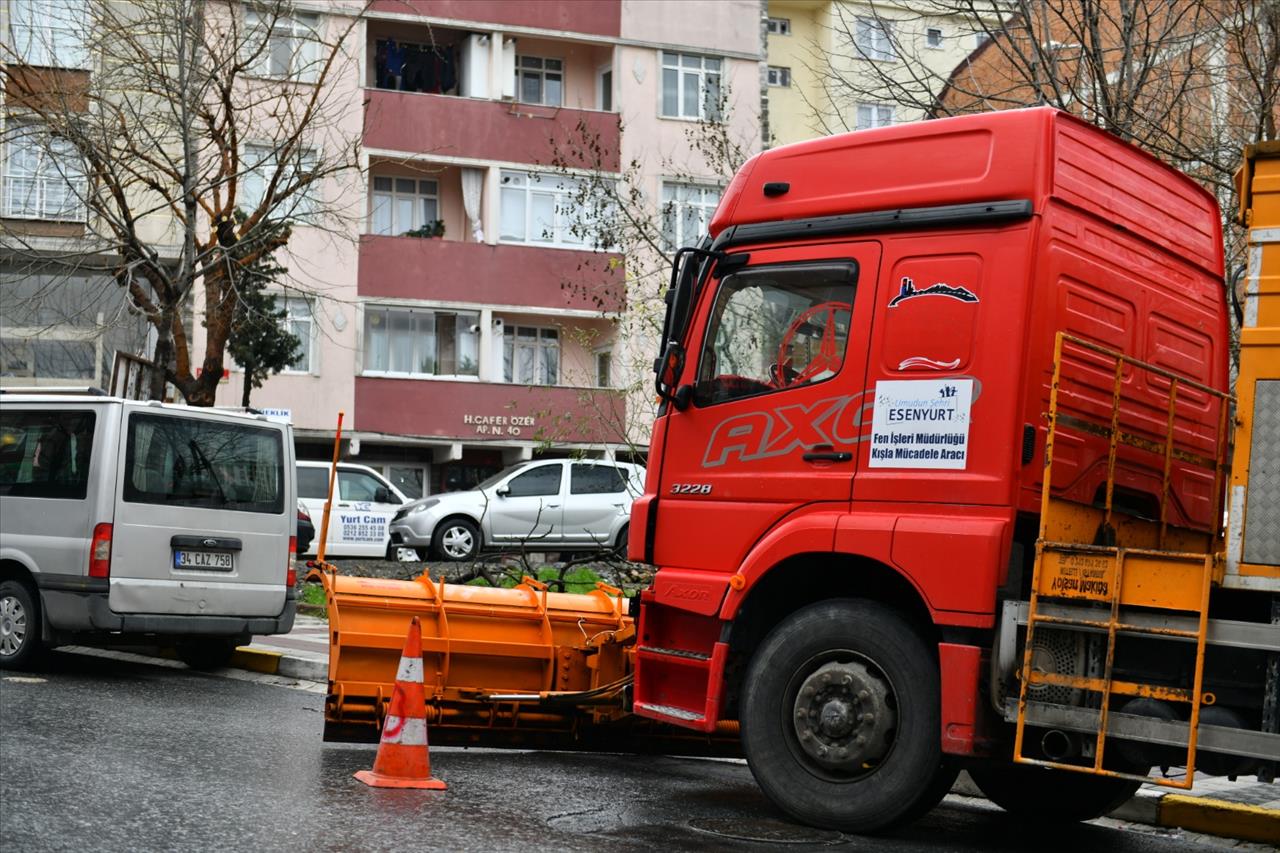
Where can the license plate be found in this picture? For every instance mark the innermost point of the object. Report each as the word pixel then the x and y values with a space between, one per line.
pixel 216 561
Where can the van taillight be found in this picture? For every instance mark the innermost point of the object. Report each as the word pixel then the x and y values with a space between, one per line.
pixel 100 552
pixel 291 575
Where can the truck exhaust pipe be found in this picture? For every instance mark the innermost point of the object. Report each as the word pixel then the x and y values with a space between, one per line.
pixel 1058 745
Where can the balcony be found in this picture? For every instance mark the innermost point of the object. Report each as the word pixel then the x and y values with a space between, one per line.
pixel 449 126
pixel 480 411
pixel 454 271
pixel 601 17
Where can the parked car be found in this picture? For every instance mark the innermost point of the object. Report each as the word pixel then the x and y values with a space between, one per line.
pixel 124 520
pixel 533 505
pixel 363 503
pixel 306 529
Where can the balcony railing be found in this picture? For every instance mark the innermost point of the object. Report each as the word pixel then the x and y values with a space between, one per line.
pixel 596 18
pixel 483 411
pixel 453 271
pixel 448 126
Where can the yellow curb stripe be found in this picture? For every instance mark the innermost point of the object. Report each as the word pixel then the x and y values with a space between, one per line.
pixel 256 660
pixel 1218 817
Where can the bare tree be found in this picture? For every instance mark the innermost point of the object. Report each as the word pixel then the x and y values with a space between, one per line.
pixel 626 218
pixel 189 141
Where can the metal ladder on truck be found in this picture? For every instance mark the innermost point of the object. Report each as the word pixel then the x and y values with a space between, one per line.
pixel 1109 574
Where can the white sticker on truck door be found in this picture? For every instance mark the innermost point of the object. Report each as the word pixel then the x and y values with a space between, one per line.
pixel 921 423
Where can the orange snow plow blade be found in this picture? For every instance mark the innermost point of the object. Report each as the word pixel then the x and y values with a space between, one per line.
pixel 520 667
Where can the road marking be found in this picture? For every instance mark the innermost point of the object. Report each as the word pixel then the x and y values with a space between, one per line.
pixel 235 674
pixel 25 679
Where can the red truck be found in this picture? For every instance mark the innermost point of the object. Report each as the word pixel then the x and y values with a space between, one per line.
pixel 889 343
pixel 845 481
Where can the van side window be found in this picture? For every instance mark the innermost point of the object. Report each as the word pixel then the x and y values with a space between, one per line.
pixel 359 486
pixel 188 462
pixel 313 483
pixel 774 328
pixel 45 454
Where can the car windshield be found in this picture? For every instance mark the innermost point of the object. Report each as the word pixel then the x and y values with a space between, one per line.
pixel 493 481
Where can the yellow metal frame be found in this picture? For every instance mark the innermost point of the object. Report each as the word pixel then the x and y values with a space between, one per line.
pixel 1118 575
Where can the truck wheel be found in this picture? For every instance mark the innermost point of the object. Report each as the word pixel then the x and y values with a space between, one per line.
pixel 20 643
pixel 206 653
pixel 1059 796
pixel 457 539
pixel 841 718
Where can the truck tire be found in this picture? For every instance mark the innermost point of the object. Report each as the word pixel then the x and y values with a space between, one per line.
pixel 841 718
pixel 457 540
pixel 1056 796
pixel 206 653
pixel 20 641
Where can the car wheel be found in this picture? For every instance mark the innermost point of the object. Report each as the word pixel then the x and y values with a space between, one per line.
pixel 1051 796
pixel 457 539
pixel 620 547
pixel 841 715
pixel 206 653
pixel 20 642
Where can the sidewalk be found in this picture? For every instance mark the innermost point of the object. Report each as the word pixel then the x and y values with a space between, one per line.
pixel 1246 809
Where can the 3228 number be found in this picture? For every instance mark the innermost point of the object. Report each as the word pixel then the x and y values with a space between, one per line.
pixel 690 488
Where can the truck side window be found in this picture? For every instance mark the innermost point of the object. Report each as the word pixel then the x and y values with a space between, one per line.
pixel 774 328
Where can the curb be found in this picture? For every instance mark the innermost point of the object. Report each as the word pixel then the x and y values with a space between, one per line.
pixel 1180 811
pixel 276 663
pixel 1219 817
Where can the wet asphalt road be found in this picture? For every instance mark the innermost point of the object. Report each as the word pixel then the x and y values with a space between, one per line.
pixel 100 754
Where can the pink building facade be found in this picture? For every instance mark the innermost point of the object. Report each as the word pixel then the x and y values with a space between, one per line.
pixel 464 324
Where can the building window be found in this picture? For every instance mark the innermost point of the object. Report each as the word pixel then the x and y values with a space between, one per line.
pixel 43 177
pixel 51 356
pixel 411 342
pixel 540 80
pixel 979 39
pixel 874 115
pixel 690 86
pixel 604 369
pixel 259 165
pixel 874 38
pixel 779 76
pixel 300 321
pixel 539 208
pixel 686 210
pixel 49 33
pixel 779 26
pixel 398 205
pixel 933 37
pixel 604 89
pixel 531 356
pixel 282 46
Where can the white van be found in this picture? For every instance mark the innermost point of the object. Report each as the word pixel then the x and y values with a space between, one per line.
pixel 363 504
pixel 122 519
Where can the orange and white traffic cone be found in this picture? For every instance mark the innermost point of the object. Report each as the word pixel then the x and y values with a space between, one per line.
pixel 403 760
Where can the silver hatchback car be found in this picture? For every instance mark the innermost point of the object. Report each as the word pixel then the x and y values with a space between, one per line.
pixel 543 505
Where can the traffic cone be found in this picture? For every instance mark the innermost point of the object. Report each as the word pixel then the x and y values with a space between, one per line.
pixel 403 761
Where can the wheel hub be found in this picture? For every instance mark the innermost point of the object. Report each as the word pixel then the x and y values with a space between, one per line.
pixel 12 625
pixel 844 716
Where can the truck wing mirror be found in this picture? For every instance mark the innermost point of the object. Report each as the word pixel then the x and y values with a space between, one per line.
pixel 669 368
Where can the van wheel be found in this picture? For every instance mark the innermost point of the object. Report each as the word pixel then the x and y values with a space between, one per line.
pixel 1057 796
pixel 206 653
pixel 841 718
pixel 457 539
pixel 20 643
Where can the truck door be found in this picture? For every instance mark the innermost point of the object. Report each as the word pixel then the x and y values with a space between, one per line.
pixel 775 373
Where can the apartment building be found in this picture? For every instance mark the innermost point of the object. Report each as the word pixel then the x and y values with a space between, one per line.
pixel 840 65
pixel 458 318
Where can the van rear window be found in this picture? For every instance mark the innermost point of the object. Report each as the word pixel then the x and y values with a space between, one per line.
pixel 45 454
pixel 192 462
